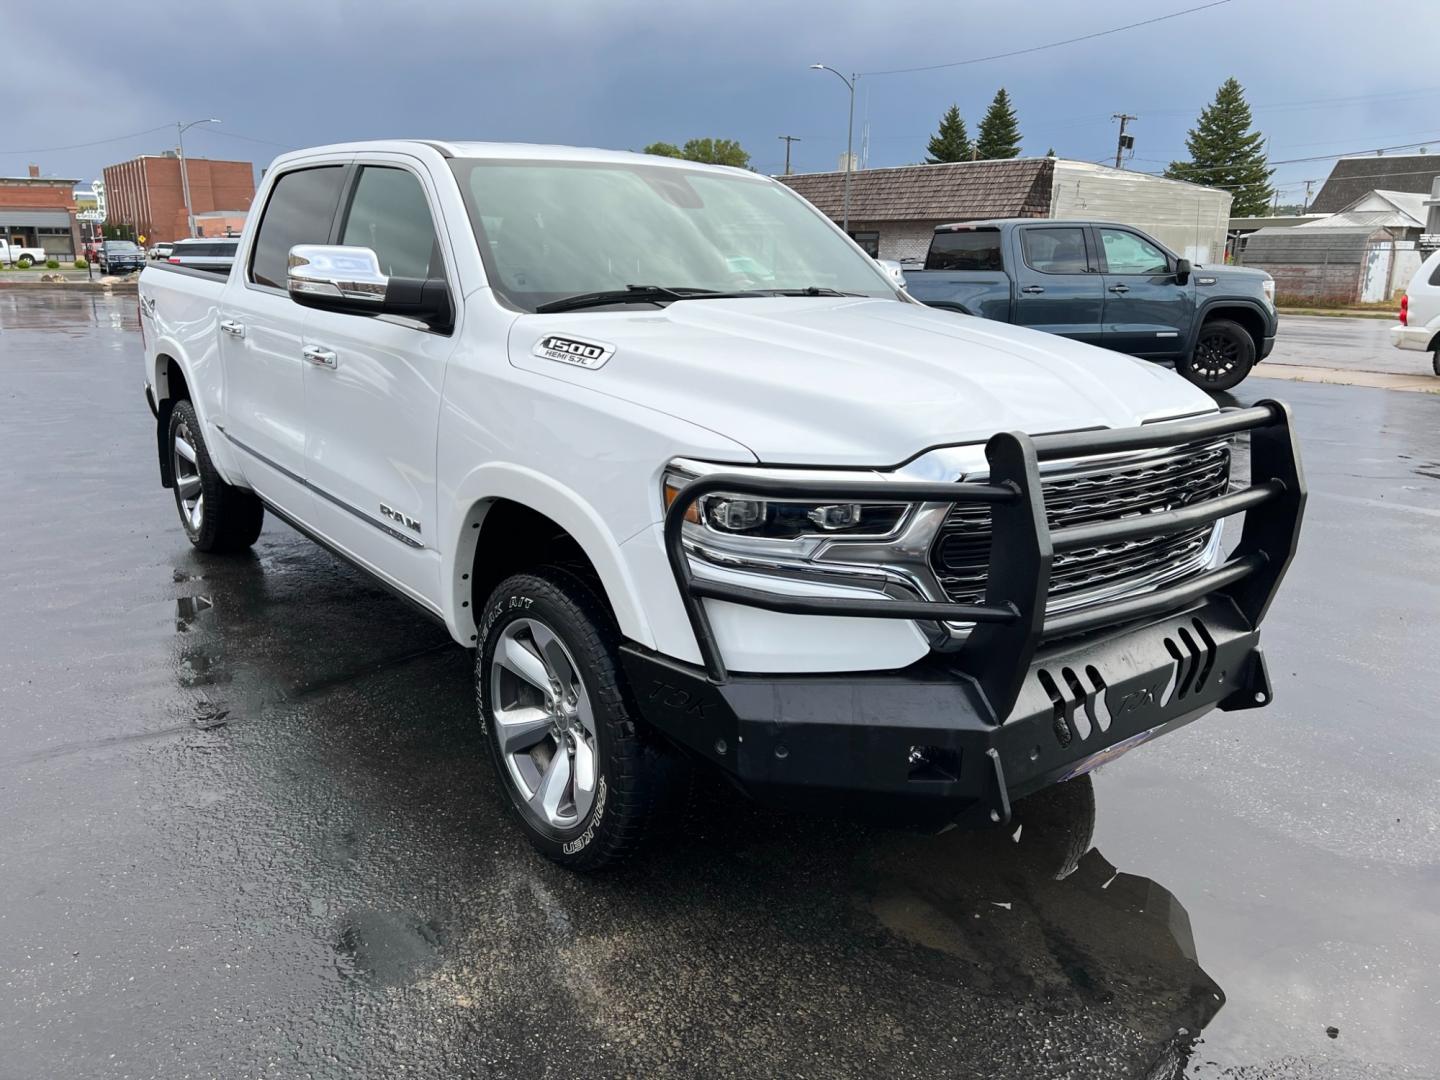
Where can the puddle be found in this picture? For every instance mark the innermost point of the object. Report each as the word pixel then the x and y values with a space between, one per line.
pixel 386 948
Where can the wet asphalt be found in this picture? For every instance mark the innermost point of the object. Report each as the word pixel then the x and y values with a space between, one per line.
pixel 247 825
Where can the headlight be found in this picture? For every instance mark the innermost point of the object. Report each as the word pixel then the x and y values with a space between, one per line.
pixel 738 516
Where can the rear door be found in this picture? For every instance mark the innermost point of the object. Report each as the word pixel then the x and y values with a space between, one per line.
pixel 372 392
pixel 1147 311
pixel 1058 287
pixel 262 336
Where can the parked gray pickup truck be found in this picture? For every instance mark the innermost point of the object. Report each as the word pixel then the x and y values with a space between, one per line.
pixel 1106 284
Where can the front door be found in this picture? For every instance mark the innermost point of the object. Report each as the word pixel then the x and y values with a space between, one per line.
pixel 1058 288
pixel 1147 311
pixel 372 393
pixel 262 336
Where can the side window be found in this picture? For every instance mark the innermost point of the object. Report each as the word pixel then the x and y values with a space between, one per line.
pixel 1055 251
pixel 966 249
pixel 300 210
pixel 1435 274
pixel 1126 253
pixel 389 215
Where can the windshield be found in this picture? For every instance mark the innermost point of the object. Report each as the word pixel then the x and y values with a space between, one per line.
pixel 120 245
pixel 550 230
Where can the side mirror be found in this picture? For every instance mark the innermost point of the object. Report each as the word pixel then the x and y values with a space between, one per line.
pixel 1182 271
pixel 894 270
pixel 349 280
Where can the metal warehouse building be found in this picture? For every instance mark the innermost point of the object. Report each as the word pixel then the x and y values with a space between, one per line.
pixel 893 212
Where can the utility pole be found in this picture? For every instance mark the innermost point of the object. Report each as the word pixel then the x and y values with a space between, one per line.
pixel 849 137
pixel 1305 209
pixel 788 140
pixel 1125 142
pixel 180 128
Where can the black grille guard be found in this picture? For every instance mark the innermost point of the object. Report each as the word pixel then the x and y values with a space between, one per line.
pixel 1011 622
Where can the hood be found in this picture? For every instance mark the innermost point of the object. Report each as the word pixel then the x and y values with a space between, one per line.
pixel 859 382
pixel 1240 278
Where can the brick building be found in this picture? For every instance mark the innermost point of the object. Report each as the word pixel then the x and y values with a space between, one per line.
pixel 39 211
pixel 146 193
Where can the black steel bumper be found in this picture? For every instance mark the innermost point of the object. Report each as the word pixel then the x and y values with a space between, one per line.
pixel 1030 699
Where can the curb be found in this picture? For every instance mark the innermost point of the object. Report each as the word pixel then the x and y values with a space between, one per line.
pixel 74 286
pixel 1380 380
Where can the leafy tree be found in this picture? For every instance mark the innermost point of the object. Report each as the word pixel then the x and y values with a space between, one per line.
pixel 717 152
pixel 999 133
pixel 709 151
pixel 952 141
pixel 1225 153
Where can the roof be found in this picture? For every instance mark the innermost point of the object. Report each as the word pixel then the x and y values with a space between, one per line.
pixel 49 181
pixel 1353 177
pixel 1305 244
pixel 1392 210
pixel 952 191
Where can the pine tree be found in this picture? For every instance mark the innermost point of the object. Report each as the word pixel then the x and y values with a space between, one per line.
pixel 1225 153
pixel 952 141
pixel 999 132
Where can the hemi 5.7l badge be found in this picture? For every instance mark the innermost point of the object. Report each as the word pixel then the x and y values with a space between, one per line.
pixel 572 350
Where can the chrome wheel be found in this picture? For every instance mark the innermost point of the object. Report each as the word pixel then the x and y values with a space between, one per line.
pixel 185 463
pixel 544 723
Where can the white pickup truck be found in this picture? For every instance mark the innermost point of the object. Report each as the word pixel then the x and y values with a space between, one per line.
pixel 702 488
pixel 23 257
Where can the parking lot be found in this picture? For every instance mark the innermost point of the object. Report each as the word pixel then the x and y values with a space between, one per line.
pixel 250 829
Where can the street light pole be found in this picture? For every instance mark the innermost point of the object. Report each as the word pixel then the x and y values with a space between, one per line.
pixel 180 129
pixel 849 137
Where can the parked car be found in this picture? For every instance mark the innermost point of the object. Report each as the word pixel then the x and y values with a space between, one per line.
pixel 644 464
pixel 160 252
pixel 1419 326
pixel 1104 284
pixel 120 257
pixel 22 257
pixel 205 253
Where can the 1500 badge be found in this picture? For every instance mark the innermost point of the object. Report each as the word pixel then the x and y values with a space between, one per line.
pixel 581 352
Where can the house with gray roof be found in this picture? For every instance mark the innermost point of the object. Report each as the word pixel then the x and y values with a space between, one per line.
pixel 1353 177
pixel 894 212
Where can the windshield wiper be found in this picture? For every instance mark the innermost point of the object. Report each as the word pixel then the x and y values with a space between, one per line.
pixel 810 290
pixel 637 294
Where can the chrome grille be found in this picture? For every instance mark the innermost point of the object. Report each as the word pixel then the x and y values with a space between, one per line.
pixel 961 552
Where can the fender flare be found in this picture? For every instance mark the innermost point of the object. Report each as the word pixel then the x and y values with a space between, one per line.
pixel 1204 310
pixel 473 496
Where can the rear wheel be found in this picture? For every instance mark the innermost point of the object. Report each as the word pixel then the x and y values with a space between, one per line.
pixel 217 516
pixel 1435 361
pixel 1223 355
pixel 587 786
pixel 24 262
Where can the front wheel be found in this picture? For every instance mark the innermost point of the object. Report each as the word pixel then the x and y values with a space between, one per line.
pixel 1222 357
pixel 1435 361
pixel 586 785
pixel 217 516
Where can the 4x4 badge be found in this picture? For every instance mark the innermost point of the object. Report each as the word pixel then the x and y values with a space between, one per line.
pixel 581 352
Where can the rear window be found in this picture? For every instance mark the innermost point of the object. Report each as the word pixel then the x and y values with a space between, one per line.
pixel 1435 273
pixel 300 210
pixel 970 249
pixel 1055 250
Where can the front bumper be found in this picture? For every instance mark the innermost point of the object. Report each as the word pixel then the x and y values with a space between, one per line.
pixel 1412 337
pixel 1032 697
pixel 918 748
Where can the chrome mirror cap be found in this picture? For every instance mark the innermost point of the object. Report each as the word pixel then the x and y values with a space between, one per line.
pixel 893 268
pixel 336 272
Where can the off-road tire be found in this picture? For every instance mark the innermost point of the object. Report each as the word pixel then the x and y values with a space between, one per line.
pixel 1223 355
pixel 232 516
pixel 640 782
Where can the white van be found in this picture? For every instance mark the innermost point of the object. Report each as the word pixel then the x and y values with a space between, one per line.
pixel 1420 312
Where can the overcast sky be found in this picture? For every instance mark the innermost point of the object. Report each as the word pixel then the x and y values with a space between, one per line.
pixel 623 73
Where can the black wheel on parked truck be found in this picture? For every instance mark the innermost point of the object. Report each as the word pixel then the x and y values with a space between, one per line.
pixel 1223 355
pixel 587 785
pixel 217 516
pixel 1435 361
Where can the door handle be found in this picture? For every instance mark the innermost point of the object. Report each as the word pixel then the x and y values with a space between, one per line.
pixel 1033 289
pixel 233 328
pixel 320 357
pixel 1122 289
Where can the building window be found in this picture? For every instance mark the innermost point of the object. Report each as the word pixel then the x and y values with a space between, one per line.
pixel 870 241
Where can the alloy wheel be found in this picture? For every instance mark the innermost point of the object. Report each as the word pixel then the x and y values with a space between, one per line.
pixel 544 723
pixel 1215 357
pixel 188 490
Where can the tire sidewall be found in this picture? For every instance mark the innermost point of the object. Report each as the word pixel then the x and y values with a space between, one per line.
pixel 531 596
pixel 1236 333
pixel 184 413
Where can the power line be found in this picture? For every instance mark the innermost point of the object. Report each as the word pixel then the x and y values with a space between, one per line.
pixel 1051 45
pixel 83 145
